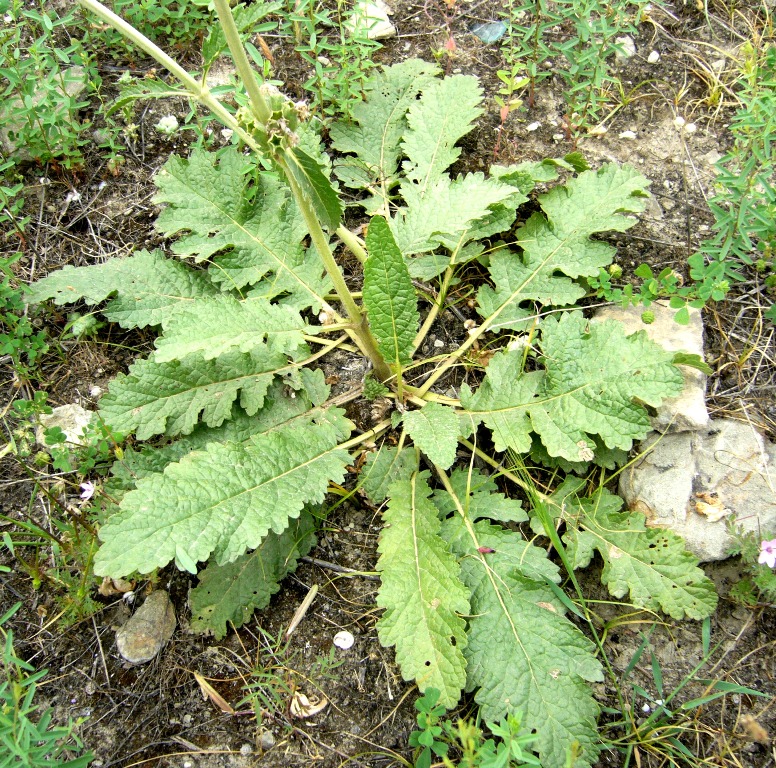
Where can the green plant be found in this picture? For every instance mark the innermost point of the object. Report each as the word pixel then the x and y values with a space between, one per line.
pixel 654 722
pixel 336 46
pixel 175 23
pixel 236 386
pixel 530 44
pixel 436 735
pixel 744 205
pixel 757 585
pixel 44 80
pixel 18 337
pixel 26 734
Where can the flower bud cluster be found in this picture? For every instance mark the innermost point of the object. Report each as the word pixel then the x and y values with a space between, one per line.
pixel 279 131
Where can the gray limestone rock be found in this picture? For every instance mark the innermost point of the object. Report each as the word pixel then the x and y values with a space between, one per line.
pixel 147 631
pixel 696 483
pixel 688 411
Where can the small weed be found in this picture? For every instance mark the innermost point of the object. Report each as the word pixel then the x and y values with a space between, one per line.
pixel 27 736
pixel 758 557
pixel 437 736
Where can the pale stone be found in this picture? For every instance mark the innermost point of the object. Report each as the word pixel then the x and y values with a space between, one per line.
pixel 627 48
pixel 688 410
pixel 72 419
pixel 698 483
pixel 370 17
pixel 147 631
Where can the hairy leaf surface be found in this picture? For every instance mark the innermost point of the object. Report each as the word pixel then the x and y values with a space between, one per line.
pixel 225 499
pixel 389 296
pixel 434 429
pixel 250 230
pixel 374 135
pixel 595 382
pixel 223 323
pixel 230 593
pixel 650 563
pixel 523 654
pixel 386 466
pixel 169 398
pixel 559 241
pixel 423 597
pixel 480 498
pixel 147 285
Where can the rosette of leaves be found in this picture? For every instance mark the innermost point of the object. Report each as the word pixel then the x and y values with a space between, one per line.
pixel 249 441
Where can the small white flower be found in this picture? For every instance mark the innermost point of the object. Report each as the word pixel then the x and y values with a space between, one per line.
pixel 690 128
pixel 87 490
pixel 167 125
pixel 226 134
pixel 679 121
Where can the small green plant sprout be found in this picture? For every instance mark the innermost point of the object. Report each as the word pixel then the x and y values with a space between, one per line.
pixel 438 737
pixel 244 438
pixel 512 82
pixel 27 734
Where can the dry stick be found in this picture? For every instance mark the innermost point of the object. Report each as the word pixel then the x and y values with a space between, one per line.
pixel 339 568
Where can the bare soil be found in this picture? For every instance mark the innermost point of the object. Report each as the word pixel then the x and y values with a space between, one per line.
pixel 156 715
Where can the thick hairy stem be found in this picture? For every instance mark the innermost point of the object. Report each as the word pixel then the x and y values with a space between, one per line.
pixel 258 103
pixel 360 332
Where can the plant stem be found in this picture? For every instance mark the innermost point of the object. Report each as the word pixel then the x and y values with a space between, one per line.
pixel 198 90
pixel 353 243
pixel 360 332
pixel 258 103
pixel 435 308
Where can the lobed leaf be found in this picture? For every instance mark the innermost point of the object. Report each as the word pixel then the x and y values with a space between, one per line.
pixel 246 224
pixel 230 593
pixel 385 467
pixel 389 296
pixel 479 496
pixel 421 593
pixel 225 499
pixel 651 564
pixel 222 324
pixel 170 397
pixel 148 287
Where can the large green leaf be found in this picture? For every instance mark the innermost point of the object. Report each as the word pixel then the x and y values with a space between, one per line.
pixel 230 593
pixel 315 187
pixel 222 324
pixel 225 499
pixel 596 383
pixel 559 241
pixel 246 224
pixel 170 398
pixel 385 467
pixel 389 296
pixel 421 593
pixel 480 498
pixel 523 654
pixel 375 132
pixel 650 563
pixel 147 285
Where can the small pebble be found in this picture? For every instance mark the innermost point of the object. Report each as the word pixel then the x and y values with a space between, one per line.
pixel 679 121
pixel 438 343
pixel 533 126
pixel 344 640
pixel 627 135
pixel 653 57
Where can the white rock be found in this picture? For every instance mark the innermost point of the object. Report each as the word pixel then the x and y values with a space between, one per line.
pixel 72 419
pixel 370 18
pixel 533 126
pixel 697 483
pixel 147 631
pixel 688 410
pixel 344 640
pixel 628 135
pixel 627 48
pixel 653 57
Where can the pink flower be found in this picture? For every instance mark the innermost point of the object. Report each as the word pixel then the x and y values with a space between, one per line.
pixel 768 553
pixel 87 491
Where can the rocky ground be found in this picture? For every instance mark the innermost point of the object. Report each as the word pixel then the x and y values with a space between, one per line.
pixel 156 714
